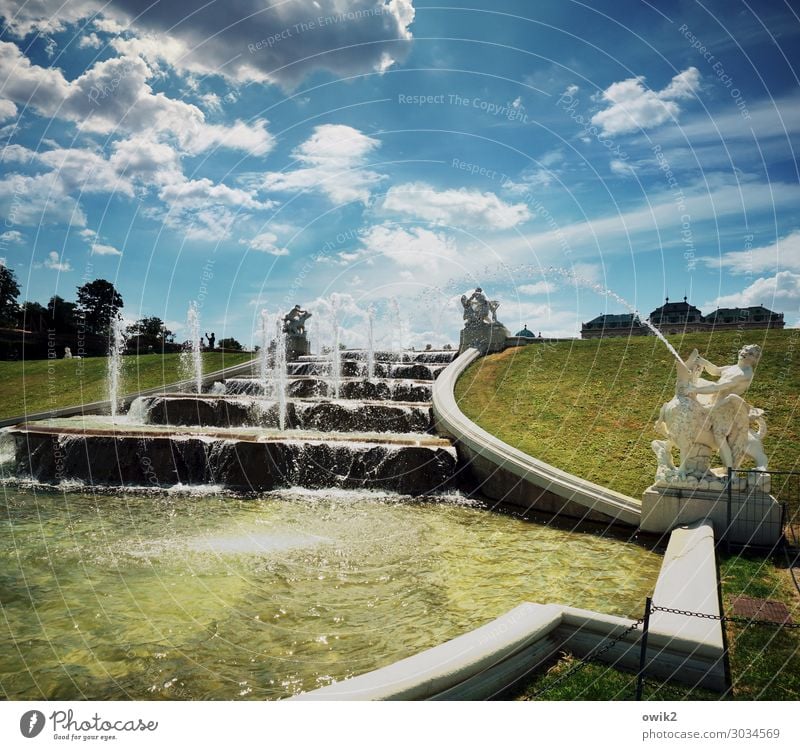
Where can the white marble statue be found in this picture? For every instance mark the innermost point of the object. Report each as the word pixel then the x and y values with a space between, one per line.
pixel 707 416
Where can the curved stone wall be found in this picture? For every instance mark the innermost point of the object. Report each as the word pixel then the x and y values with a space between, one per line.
pixel 511 476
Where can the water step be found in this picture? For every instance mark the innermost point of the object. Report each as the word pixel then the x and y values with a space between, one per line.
pixel 356 369
pixel 305 414
pixel 378 389
pixel 98 452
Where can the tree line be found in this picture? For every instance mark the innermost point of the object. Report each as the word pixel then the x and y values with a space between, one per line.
pixel 97 305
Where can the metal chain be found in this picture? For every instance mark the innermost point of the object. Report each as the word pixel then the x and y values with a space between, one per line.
pixel 724 618
pixel 591 656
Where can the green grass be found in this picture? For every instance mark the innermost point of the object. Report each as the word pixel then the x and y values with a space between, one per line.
pixel 40 385
pixel 589 406
pixel 764 661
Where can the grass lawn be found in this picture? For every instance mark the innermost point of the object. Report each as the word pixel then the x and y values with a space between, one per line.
pixel 764 661
pixel 589 406
pixel 39 385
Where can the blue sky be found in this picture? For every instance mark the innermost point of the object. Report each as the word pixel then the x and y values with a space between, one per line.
pixel 250 155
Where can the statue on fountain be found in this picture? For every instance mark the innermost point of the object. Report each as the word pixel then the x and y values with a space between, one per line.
pixel 481 327
pixel 294 326
pixel 707 416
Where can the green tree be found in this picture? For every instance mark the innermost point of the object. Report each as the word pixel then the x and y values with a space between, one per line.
pixel 98 303
pixel 9 291
pixel 231 344
pixel 33 317
pixel 61 314
pixel 149 332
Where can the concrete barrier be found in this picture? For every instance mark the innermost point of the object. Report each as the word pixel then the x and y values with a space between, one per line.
pixel 511 476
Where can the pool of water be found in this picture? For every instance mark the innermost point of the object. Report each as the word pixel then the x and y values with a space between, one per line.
pixel 176 596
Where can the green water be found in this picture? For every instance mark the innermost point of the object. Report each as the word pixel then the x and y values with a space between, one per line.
pixel 180 597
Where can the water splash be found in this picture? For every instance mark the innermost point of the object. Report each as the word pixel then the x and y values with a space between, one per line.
pixel 336 353
pixel 114 365
pixel 395 334
pixel 279 378
pixel 603 291
pixel 263 351
pixel 370 342
pixel 192 360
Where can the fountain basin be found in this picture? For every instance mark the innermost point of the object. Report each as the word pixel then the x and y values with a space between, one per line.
pixel 95 452
pixel 311 414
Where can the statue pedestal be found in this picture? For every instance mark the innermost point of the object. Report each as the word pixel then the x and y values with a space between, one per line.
pixel 297 345
pixel 754 517
pixel 484 337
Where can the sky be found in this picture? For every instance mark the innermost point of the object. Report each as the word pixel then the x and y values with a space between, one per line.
pixel 390 155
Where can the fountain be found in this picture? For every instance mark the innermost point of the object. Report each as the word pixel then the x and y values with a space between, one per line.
pixel 263 350
pixel 279 371
pixel 192 360
pixel 395 343
pixel 114 367
pixel 336 353
pixel 370 342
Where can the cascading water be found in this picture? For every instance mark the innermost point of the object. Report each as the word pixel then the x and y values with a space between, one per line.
pixel 263 351
pixel 114 367
pixel 279 372
pixel 396 334
pixel 192 360
pixel 370 342
pixel 600 289
pixel 336 354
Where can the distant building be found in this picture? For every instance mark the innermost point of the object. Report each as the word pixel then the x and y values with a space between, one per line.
pixel 677 317
pixel 609 326
pixel 525 333
pixel 682 317
pixel 743 317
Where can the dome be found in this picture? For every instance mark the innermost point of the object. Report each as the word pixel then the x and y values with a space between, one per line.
pixel 526 334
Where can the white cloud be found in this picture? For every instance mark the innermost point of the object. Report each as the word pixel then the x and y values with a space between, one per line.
pixel 780 293
pixel 266 242
pixel 12 235
pixel 782 255
pixel 460 208
pixel 334 162
pixel 98 248
pixel 54 263
pixel 114 96
pixel 91 41
pixel 633 107
pixel 416 248
pixel 7 110
pixel 621 168
pixel 540 287
pixel 30 200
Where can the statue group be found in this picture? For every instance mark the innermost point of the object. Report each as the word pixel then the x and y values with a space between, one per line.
pixel 481 329
pixel 705 417
pixel 294 326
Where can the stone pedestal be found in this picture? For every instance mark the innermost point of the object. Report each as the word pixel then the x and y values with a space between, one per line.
pixel 755 515
pixel 297 345
pixel 484 337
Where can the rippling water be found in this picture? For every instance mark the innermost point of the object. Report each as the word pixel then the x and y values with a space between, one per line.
pixel 185 597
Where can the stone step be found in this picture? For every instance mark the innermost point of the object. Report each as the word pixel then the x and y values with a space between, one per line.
pixel 99 452
pixel 356 369
pixel 305 414
pixel 377 389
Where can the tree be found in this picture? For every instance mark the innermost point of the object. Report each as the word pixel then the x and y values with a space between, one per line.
pixel 33 317
pixel 98 303
pixel 61 314
pixel 232 344
pixel 149 332
pixel 9 291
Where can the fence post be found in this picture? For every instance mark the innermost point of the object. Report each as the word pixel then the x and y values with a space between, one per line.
pixel 643 654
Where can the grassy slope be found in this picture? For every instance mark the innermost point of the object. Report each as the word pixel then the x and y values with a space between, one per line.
pixel 39 385
pixel 589 406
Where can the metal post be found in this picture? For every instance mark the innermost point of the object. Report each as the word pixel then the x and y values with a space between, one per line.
pixel 730 504
pixel 643 655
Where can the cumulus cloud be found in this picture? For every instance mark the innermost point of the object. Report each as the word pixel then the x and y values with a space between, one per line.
pixel 333 161
pixel 415 248
pixel 266 242
pixel 247 41
pixel 462 207
pixel 99 248
pixel 632 106
pixel 54 262
pixel 7 110
pixel 114 96
pixel 780 292
pixel 11 235
pixel 540 287
pixel 783 254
